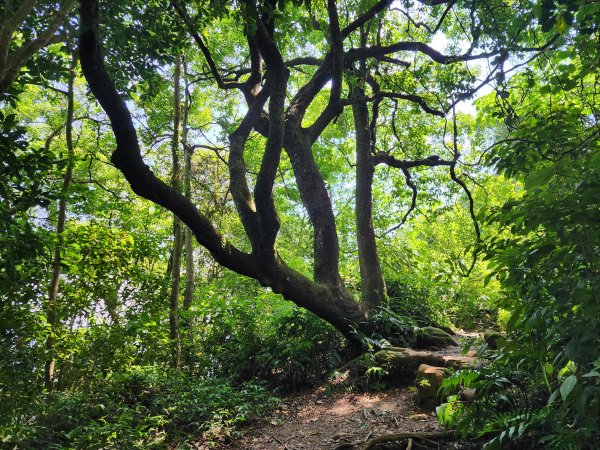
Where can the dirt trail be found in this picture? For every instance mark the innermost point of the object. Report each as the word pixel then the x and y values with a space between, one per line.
pixel 320 421
pixel 325 418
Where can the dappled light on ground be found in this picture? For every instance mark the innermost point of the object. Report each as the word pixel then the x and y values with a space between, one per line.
pixel 317 420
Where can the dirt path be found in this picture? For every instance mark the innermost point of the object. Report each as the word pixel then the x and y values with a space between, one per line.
pixel 322 421
pixel 325 418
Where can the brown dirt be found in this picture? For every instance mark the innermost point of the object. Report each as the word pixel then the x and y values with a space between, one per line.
pixel 328 416
pixel 322 421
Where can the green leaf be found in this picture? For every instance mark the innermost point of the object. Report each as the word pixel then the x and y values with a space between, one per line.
pixel 567 386
pixel 591 374
pixel 510 325
pixel 538 178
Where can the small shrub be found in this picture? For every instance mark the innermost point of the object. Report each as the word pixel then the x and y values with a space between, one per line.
pixel 301 350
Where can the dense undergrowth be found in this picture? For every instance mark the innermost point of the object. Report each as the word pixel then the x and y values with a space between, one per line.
pixel 142 407
pixel 245 351
pixel 542 387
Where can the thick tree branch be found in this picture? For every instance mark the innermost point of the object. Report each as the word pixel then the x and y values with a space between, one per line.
pixel 323 74
pixel 317 202
pixel 298 145
pixel 240 191
pixel 9 27
pixel 378 51
pixel 263 192
pixel 364 18
pixel 334 107
pixel 127 157
pixel 252 86
pixel 373 286
pixel 431 161
pixel 337 52
pixel 307 93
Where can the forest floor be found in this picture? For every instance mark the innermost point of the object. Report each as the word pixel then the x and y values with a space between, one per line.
pixel 330 415
pixel 317 420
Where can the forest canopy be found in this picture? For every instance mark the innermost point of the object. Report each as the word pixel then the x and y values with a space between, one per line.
pixel 203 201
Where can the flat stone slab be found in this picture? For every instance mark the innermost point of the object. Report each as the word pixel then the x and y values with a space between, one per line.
pixel 460 362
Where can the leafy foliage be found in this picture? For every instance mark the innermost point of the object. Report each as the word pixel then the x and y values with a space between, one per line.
pixel 288 348
pixel 142 407
pixel 543 388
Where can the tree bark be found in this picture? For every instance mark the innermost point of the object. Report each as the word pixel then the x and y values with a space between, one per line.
pixel 317 202
pixel 188 295
pixel 177 225
pixel 373 290
pixel 51 308
pixel 265 91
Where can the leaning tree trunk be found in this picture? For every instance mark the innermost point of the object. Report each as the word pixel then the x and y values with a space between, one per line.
pixel 51 308
pixel 278 115
pixel 177 226
pixel 325 295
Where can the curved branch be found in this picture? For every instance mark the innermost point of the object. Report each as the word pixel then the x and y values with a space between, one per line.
pixel 237 167
pixel 223 84
pixel 430 161
pixel 462 184
pixel 378 51
pixel 17 59
pixel 263 192
pixel 8 29
pixel 412 98
pixel 128 159
pixel 361 20
pixel 334 106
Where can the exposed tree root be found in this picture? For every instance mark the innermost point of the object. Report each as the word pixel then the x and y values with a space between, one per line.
pixel 409 438
pixel 428 438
